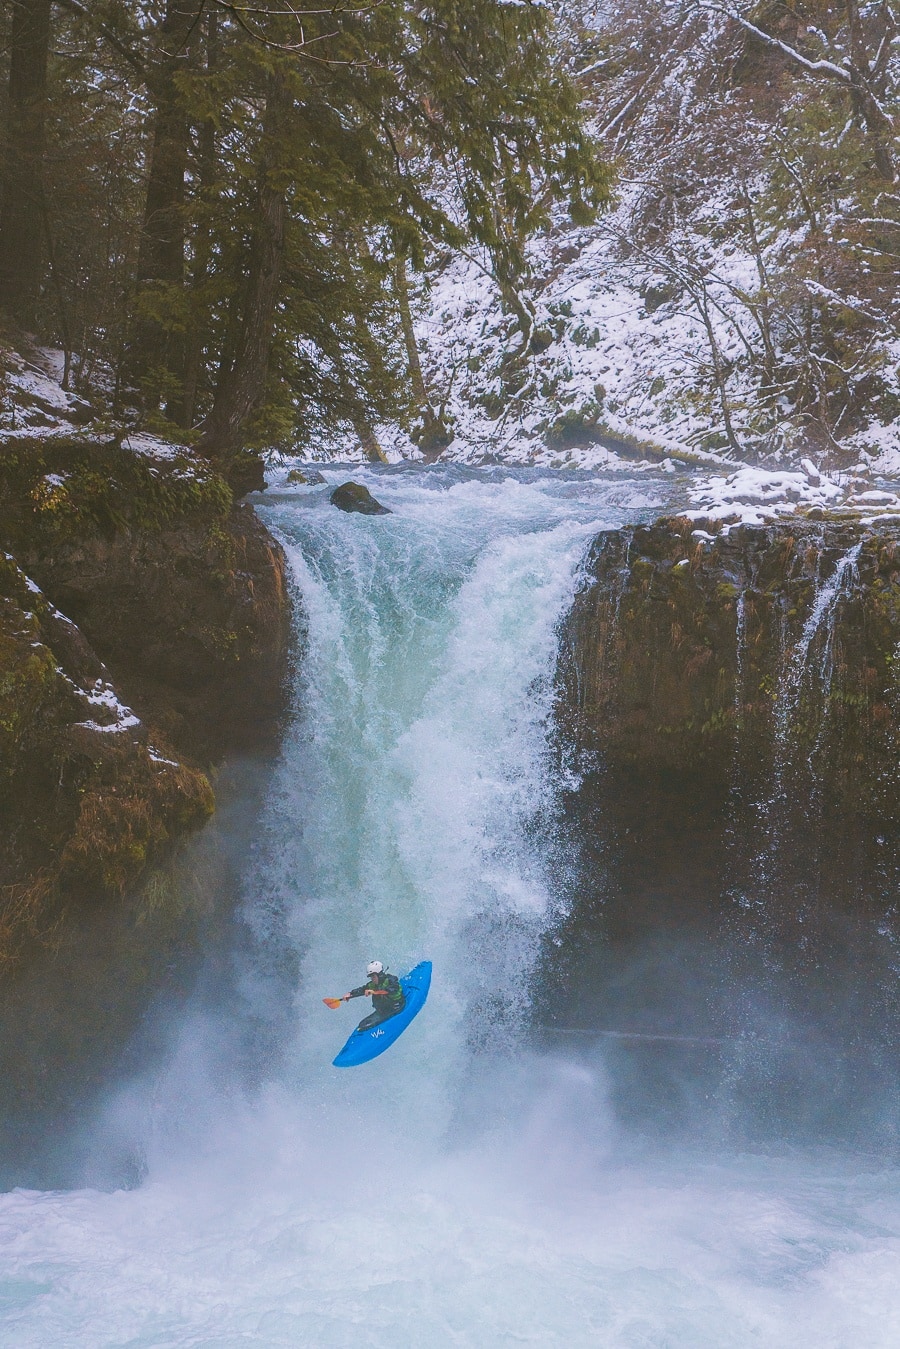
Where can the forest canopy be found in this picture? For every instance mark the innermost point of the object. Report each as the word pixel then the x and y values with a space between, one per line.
pixel 213 208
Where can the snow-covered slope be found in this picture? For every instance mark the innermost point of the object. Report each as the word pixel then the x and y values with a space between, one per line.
pixel 738 300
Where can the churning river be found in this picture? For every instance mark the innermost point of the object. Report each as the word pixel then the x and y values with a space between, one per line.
pixel 472 1187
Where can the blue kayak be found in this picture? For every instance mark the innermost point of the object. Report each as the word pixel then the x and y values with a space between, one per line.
pixel 368 1044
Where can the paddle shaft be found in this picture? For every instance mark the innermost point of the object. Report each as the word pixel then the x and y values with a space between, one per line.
pixel 334 1003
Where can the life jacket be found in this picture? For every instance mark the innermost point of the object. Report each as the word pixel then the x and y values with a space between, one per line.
pixel 387 984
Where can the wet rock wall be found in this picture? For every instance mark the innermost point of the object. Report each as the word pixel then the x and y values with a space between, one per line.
pixel 733 700
pixel 751 669
pixel 144 631
pixel 730 701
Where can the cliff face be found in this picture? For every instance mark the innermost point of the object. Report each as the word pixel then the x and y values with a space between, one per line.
pixel 735 700
pixel 144 627
pixel 731 701
pixel 87 798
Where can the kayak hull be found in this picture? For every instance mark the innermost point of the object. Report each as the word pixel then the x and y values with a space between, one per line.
pixel 365 1045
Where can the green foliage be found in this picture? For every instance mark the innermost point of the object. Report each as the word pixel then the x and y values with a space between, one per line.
pixel 387 131
pixel 28 679
pixel 575 424
pixel 67 490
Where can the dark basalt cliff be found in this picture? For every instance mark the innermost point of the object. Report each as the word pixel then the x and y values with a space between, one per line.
pixel 735 704
pixel 729 711
pixel 144 629
pixel 681 640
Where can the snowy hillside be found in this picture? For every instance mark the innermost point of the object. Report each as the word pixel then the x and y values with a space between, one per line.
pixel 738 299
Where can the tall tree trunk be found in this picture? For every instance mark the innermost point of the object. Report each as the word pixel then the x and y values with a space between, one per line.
pixel 22 210
pixel 433 435
pixel 416 378
pixel 242 387
pixel 367 438
pixel 202 240
pixel 156 348
pixel 762 310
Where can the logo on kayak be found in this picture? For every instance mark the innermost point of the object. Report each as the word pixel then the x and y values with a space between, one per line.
pixel 376 1033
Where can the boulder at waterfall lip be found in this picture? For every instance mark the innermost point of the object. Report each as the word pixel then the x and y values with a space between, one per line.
pixel 352 496
pixel 365 1045
pixel 305 477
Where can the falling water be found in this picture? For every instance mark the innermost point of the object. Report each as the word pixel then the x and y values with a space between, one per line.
pixel 798 669
pixel 466 1188
pixel 804 684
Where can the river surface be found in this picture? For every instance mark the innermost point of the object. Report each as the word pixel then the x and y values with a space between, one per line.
pixel 471 1187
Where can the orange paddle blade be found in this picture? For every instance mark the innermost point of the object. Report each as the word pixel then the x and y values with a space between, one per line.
pixel 332 1002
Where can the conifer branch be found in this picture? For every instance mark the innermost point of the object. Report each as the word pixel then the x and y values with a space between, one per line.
pixel 296 12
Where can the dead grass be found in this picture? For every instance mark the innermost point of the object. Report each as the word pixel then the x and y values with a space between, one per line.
pixel 30 914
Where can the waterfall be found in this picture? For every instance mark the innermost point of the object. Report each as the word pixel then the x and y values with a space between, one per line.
pixel 417 777
pixel 466 1188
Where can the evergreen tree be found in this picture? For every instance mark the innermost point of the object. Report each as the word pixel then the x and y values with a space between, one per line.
pixel 293 165
pixel 22 204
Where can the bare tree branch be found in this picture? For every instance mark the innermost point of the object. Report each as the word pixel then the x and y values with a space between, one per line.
pixel 128 53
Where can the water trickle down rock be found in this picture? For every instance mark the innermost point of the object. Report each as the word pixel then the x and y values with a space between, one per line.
pixel 804 714
pixel 739 687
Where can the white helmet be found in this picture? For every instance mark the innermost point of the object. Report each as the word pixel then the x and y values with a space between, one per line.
pixel 374 967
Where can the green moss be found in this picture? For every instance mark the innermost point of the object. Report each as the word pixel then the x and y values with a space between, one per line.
pixel 69 489
pixel 849 697
pixel 572 425
pixel 718 721
pixel 125 820
pixel 493 404
pixel 34 696
pixel 222 545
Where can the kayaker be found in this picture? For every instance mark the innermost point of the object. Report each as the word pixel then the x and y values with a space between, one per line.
pixel 383 986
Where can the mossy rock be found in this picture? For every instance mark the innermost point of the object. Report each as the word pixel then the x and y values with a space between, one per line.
pixel 72 489
pixel 663 619
pixel 305 477
pixel 354 497
pixel 127 817
pixel 541 339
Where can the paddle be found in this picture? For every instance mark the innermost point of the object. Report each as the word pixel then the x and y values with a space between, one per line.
pixel 334 1003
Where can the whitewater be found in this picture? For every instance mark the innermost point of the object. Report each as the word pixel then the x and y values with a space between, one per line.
pixel 471 1187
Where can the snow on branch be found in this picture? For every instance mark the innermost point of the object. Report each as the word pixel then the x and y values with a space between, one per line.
pixel 814 67
pixel 844 301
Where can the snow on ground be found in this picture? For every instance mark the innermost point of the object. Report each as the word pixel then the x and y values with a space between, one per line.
pixel 626 359
pixel 881 447
pixel 99 698
pixel 35 407
pixel 116 716
pixel 753 495
pixel 153 447
pixel 32 399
